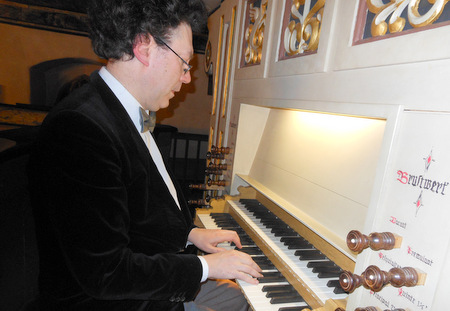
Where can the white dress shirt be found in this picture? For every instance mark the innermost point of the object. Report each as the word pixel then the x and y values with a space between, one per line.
pixel 132 107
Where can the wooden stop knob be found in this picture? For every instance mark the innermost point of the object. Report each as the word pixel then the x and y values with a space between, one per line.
pixel 357 242
pixel 376 279
pixel 349 281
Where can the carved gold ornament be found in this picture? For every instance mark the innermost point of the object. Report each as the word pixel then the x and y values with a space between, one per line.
pixel 395 8
pixel 208 56
pixel 302 34
pixel 254 34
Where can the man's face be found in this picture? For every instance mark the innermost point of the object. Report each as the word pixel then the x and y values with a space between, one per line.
pixel 166 70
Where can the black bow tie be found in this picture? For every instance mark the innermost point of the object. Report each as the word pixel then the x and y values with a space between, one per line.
pixel 147 121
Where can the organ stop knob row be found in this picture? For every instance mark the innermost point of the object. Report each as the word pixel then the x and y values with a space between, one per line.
pixel 213 183
pixel 213 166
pixel 204 202
pixel 222 150
pixel 213 172
pixel 218 152
pixel 375 279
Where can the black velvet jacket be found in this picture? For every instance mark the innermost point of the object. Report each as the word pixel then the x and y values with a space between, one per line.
pixel 110 234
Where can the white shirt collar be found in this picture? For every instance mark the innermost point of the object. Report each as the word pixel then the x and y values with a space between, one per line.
pixel 127 100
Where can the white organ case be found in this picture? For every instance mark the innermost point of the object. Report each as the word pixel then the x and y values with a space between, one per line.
pixel 350 138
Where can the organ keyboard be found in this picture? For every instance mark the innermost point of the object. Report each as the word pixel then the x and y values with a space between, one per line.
pixel 262 297
pixel 307 273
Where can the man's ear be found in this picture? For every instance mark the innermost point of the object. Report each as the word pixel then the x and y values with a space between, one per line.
pixel 142 48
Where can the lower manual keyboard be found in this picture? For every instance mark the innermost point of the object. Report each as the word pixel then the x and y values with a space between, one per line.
pixel 325 286
pixel 273 293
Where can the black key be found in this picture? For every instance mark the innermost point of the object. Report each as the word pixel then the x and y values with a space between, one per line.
pixel 300 246
pixel 328 275
pixel 333 283
pixel 272 280
pixel 281 293
pixel 327 269
pixel 294 239
pixel 267 266
pixel 276 300
pixel 251 250
pixel 274 274
pixel 221 215
pixel 264 263
pixel 271 277
pixel 269 222
pixel 327 263
pixel 310 254
pixel 296 242
pixel 339 290
pixel 268 288
pixel 261 259
pixel 283 232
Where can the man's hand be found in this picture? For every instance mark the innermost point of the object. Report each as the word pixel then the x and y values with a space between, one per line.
pixel 207 239
pixel 225 264
pixel 233 265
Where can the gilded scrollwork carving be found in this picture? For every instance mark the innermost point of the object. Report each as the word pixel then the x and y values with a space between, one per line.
pixel 208 57
pixel 389 16
pixel 254 33
pixel 302 34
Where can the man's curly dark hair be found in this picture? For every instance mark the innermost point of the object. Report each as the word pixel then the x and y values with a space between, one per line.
pixel 115 24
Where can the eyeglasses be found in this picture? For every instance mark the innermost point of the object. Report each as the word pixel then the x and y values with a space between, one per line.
pixel 185 70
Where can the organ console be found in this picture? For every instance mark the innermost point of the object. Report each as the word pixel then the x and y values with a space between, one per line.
pixel 333 142
pixel 292 257
pixel 278 208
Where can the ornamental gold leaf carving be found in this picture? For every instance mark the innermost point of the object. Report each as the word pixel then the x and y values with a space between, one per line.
pixel 388 15
pixel 254 33
pixel 302 34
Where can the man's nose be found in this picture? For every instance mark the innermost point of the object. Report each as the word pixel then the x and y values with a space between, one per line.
pixel 186 77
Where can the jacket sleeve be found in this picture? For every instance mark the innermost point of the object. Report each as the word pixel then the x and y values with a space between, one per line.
pixel 81 174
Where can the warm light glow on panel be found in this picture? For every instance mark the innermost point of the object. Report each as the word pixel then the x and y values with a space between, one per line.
pixel 334 152
pixel 323 164
pixel 320 123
